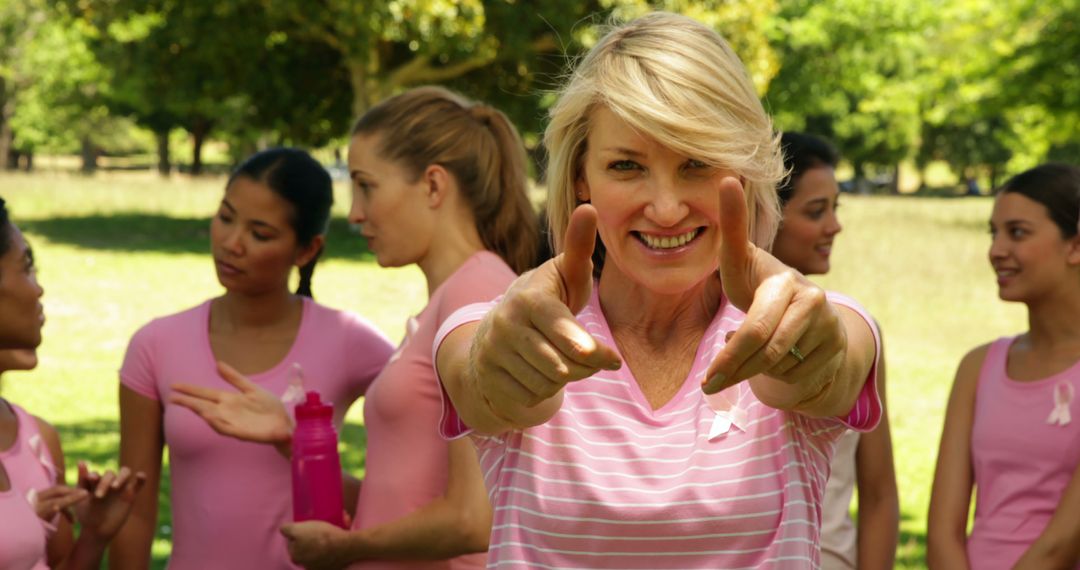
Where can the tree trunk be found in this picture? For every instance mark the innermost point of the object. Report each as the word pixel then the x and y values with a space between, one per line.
pixel 894 186
pixel 29 161
pixel 198 135
pixel 89 155
pixel 993 177
pixel 164 165
pixel 7 136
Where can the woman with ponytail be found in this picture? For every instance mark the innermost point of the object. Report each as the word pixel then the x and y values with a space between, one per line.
pixel 438 181
pixel 230 497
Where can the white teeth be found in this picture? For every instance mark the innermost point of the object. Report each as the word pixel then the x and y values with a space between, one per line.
pixel 667 242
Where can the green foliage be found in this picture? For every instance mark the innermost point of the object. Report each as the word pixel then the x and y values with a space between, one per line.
pixel 851 70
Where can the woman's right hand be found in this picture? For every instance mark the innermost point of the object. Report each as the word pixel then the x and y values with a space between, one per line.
pixel 252 413
pixel 530 345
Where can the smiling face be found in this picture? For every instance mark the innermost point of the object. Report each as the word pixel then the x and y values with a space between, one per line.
pixel 390 208
pixel 252 239
pixel 1028 252
pixel 806 234
pixel 21 313
pixel 659 211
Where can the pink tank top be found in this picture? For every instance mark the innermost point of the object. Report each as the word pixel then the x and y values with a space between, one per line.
pixel 1025 447
pixel 29 469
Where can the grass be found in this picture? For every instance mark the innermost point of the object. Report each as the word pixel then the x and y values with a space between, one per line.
pixel 117 250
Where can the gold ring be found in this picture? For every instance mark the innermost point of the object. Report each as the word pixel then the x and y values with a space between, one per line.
pixel 797 353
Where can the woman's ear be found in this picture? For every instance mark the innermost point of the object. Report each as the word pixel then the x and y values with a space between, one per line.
pixel 1073 254
pixel 309 251
pixel 437 182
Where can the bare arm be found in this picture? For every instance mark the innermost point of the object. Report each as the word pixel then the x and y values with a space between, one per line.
pixel 141 444
pixel 954 478
pixel 61 541
pixel 457 523
pixel 879 504
pixel 1059 544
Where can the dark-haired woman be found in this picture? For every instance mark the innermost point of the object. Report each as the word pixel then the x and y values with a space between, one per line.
pixel 35 534
pixel 1012 427
pixel 230 497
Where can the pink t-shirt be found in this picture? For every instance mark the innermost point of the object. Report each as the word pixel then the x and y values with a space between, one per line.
pixel 406 459
pixel 1022 461
pixel 703 482
pixel 30 469
pixel 230 497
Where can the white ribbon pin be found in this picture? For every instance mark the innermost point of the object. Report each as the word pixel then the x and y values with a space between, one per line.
pixel 1063 397
pixel 294 393
pixel 727 412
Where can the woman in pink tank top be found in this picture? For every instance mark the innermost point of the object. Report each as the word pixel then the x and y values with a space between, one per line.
pixel 809 198
pixel 438 181
pixel 36 505
pixel 1011 435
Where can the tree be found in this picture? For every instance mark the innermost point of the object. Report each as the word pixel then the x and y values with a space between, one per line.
pixel 850 70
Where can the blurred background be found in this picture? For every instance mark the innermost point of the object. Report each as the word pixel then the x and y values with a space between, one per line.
pixel 917 94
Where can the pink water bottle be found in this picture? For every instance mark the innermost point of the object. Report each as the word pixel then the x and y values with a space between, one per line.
pixel 316 467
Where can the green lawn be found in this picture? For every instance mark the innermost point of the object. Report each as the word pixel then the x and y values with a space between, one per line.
pixel 118 250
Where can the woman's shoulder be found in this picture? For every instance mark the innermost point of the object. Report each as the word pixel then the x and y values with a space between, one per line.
pixel 483 277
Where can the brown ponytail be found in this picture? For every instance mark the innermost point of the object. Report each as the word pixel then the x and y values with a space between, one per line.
pixel 479 146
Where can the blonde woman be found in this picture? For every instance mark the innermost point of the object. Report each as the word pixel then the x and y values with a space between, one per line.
pixel 664 414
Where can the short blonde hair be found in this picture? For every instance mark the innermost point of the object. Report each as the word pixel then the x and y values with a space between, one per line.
pixel 676 79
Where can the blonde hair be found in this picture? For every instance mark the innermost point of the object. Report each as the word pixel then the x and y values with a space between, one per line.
pixel 678 81
pixel 478 145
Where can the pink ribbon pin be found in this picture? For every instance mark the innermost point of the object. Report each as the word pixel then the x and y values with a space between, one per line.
pixel 1063 397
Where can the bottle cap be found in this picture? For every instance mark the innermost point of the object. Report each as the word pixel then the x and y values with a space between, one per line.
pixel 313 408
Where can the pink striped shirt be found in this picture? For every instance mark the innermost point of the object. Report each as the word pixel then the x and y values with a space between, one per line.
pixel 609 482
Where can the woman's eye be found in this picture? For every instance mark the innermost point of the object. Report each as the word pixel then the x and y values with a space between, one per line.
pixel 624 166
pixel 696 164
pixel 260 237
pixel 224 217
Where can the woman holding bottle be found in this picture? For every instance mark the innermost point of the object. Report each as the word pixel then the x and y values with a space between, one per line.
pixel 438 181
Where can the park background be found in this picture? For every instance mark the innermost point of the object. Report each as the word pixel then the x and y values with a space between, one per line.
pixel 119 119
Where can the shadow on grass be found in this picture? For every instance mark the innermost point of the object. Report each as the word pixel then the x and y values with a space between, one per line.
pixel 166 234
pixel 97 442
pixel 911 547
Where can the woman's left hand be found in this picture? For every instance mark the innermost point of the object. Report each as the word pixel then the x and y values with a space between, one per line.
pixel 316 545
pixel 111 496
pixel 791 333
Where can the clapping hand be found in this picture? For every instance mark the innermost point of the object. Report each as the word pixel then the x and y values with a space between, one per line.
pixel 109 498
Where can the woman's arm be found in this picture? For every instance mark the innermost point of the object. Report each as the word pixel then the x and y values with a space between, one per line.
pixel 457 523
pixel 141 445
pixel 879 505
pixel 1058 546
pixel 954 478
pixel 61 540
